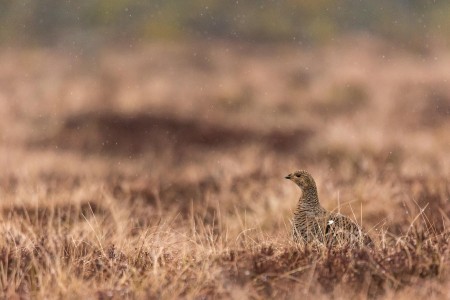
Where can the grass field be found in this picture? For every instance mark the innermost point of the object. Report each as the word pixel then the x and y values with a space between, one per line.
pixel 157 171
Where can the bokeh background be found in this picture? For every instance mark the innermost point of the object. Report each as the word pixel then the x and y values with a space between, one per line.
pixel 141 138
pixel 84 22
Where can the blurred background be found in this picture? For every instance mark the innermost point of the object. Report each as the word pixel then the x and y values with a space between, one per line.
pixel 217 97
pixel 50 22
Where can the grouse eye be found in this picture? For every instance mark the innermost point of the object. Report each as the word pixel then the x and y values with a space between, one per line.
pixel 297 175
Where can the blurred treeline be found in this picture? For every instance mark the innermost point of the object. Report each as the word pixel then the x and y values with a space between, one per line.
pixel 305 21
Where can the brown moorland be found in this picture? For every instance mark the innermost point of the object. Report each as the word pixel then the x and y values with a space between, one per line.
pixel 158 172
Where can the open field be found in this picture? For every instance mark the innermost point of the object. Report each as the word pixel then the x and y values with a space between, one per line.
pixel 157 172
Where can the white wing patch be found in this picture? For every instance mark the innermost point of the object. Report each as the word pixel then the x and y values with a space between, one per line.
pixel 330 222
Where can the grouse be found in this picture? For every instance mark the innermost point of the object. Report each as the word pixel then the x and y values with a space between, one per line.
pixel 314 223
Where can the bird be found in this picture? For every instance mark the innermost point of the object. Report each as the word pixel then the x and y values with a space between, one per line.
pixel 313 223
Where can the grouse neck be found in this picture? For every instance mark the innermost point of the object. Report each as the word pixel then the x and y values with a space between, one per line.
pixel 309 197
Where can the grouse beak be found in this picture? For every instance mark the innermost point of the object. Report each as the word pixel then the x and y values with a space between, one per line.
pixel 287 177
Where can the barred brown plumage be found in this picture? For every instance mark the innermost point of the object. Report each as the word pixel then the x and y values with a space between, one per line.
pixel 312 222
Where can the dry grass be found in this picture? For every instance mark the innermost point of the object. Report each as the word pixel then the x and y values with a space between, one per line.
pixel 158 172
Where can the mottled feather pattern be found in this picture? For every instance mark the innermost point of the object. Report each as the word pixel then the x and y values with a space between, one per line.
pixel 312 222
